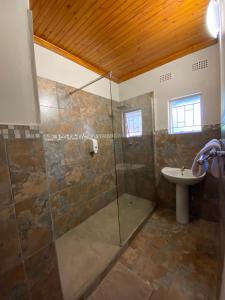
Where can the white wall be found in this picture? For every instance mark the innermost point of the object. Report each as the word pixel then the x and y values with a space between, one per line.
pixel 222 59
pixel 17 91
pixel 55 67
pixel 184 82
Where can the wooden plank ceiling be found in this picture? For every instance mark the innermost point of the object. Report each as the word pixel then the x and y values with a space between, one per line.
pixel 127 37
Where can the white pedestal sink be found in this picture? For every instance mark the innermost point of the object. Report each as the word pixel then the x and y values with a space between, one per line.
pixel 182 179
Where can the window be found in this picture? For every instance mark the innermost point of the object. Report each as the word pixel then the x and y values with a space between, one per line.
pixel 185 114
pixel 132 123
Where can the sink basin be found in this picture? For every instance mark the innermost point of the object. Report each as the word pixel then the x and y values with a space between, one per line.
pixel 175 175
pixel 182 179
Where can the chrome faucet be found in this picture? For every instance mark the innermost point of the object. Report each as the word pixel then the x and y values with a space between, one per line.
pixel 182 170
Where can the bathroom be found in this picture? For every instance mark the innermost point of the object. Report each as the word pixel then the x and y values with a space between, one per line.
pixel 108 188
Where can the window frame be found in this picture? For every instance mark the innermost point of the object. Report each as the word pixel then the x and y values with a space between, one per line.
pixel 124 119
pixel 170 118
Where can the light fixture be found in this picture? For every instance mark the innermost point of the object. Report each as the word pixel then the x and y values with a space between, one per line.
pixel 212 18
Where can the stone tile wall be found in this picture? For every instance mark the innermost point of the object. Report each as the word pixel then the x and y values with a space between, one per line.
pixel 177 150
pixel 28 259
pixel 79 184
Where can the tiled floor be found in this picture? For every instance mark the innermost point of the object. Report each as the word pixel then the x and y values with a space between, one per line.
pixel 85 251
pixel 122 284
pixel 179 261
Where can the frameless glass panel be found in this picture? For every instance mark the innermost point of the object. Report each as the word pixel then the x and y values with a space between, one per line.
pixel 83 187
pixel 134 153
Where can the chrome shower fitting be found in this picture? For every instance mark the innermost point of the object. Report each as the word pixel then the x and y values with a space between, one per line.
pixel 213 152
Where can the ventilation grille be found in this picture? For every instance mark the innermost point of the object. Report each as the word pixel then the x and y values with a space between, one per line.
pixel 165 77
pixel 202 64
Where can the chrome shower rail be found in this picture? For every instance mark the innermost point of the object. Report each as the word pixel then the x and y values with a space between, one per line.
pixel 109 74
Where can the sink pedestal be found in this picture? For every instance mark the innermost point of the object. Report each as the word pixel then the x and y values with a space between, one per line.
pixel 182 204
pixel 183 179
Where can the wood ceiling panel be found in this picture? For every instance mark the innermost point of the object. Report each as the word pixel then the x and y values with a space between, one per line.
pixel 52 17
pixel 107 27
pixel 125 25
pixel 140 41
pixel 152 31
pixel 73 12
pixel 129 48
pixel 127 37
pixel 92 16
pixel 44 13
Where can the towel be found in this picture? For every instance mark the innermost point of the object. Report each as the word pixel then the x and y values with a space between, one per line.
pixel 216 166
pixel 198 169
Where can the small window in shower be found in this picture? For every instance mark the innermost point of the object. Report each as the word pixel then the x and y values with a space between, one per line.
pixel 185 114
pixel 132 123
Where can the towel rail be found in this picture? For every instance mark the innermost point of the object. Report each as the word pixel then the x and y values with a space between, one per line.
pixel 212 153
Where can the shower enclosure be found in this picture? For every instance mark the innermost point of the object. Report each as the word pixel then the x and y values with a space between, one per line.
pixel 97 200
